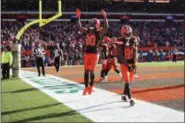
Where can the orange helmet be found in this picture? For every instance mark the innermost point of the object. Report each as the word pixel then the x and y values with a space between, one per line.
pixel 126 30
pixel 106 39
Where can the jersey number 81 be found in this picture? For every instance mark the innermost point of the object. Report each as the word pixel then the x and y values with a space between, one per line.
pixel 128 53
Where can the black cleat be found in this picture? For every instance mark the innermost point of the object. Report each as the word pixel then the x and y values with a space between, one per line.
pixel 132 103
pixel 124 98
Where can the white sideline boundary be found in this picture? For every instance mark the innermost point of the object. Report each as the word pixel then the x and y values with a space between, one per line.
pixel 104 106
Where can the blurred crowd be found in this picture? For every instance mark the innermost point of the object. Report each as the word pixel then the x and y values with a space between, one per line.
pixel 152 34
pixel 96 5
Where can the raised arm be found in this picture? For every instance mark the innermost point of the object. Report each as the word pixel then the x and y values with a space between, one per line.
pixel 79 25
pixel 106 24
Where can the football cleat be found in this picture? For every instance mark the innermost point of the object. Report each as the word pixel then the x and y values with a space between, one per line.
pixel 124 98
pixel 90 89
pixel 132 103
pixel 85 91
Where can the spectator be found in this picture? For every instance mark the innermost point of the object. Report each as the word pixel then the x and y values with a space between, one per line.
pixel 71 41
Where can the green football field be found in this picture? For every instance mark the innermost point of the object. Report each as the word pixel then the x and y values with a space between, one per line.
pixel 23 103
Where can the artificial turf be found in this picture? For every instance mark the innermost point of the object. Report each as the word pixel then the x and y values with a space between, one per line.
pixel 23 103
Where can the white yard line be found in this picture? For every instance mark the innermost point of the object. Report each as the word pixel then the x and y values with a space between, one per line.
pixel 102 105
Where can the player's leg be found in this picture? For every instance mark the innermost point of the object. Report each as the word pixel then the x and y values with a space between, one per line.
pixel 124 71
pixel 115 67
pixel 94 61
pixel 86 78
pixel 86 73
pixel 128 86
pixel 105 75
pixel 107 69
pixel 127 89
pixel 102 74
pixel 92 76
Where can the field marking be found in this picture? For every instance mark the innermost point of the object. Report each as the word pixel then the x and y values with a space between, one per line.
pixel 102 106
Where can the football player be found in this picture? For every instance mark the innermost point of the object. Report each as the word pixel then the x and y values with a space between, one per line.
pixel 111 60
pixel 104 56
pixel 127 46
pixel 93 34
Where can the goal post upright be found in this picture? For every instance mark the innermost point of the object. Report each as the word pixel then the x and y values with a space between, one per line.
pixel 16 48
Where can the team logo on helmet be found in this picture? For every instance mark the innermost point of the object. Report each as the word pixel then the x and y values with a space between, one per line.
pixel 126 30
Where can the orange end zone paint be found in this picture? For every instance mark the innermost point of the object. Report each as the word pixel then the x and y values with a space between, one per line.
pixel 156 94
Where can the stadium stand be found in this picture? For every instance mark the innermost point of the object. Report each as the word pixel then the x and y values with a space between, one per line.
pixel 159 32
